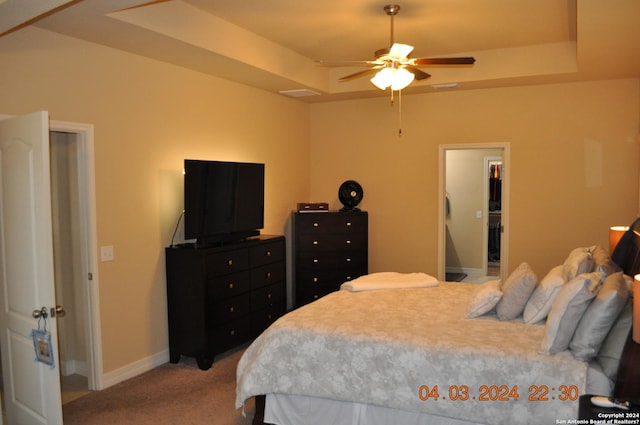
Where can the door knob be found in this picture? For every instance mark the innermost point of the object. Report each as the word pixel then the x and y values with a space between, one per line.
pixel 40 313
pixel 44 313
pixel 58 311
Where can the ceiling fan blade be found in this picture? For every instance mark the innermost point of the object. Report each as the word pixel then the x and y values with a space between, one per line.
pixel 400 51
pixel 360 74
pixel 444 61
pixel 348 63
pixel 418 73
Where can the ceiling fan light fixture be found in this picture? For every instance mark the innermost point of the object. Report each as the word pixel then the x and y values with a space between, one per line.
pixel 396 78
pixel 401 79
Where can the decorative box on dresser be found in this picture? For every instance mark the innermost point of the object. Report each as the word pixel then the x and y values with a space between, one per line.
pixel 329 248
pixel 220 297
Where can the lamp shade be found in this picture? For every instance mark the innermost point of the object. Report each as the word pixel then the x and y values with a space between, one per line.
pixel 396 78
pixel 383 78
pixel 615 234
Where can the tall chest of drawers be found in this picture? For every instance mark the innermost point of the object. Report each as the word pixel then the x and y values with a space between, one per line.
pixel 220 297
pixel 329 249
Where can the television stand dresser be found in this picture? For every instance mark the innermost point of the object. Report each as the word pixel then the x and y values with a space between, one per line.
pixel 223 296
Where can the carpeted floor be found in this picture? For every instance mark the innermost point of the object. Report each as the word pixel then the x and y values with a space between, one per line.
pixel 170 394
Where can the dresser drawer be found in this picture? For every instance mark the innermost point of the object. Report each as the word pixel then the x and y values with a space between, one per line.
pixel 227 286
pixel 267 275
pixel 266 253
pixel 227 262
pixel 316 242
pixel 327 279
pixel 307 295
pixel 230 309
pixel 263 297
pixel 230 334
pixel 326 260
pixel 262 319
pixel 331 223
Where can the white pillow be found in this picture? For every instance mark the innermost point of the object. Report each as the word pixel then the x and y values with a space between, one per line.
pixel 484 298
pixel 579 261
pixel 516 291
pixel 539 304
pixel 567 309
pixel 595 324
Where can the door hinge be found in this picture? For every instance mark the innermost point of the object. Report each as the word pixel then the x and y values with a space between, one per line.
pixel 90 276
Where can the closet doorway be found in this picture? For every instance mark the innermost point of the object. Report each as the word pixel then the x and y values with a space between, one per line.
pixel 74 262
pixel 474 212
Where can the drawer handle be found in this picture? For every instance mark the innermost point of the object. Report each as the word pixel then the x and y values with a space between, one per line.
pixel 268 275
pixel 315 280
pixel 315 260
pixel 230 262
pixel 269 317
pixel 315 297
pixel 232 332
pixel 348 277
pixel 316 224
pixel 348 242
pixel 268 253
pixel 231 309
pixel 315 242
pixel 348 260
pixel 231 285
pixel 348 224
pixel 269 296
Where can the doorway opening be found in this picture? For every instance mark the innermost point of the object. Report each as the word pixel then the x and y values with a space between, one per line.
pixel 473 225
pixel 75 257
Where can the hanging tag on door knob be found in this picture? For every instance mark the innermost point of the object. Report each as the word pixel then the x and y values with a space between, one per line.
pixel 42 338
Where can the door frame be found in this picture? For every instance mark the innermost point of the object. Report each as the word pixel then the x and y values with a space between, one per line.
pixel 504 238
pixel 89 235
pixel 88 232
pixel 485 211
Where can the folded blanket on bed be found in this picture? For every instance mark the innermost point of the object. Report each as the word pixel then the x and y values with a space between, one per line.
pixel 390 280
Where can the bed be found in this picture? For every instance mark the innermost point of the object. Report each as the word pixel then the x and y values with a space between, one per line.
pixel 391 351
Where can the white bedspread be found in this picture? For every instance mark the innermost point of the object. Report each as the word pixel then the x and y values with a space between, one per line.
pixel 381 347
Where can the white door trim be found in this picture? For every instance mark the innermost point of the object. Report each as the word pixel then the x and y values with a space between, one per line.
pixel 88 231
pixel 506 180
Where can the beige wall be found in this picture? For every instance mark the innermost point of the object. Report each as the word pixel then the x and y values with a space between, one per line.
pixel 148 117
pixel 574 165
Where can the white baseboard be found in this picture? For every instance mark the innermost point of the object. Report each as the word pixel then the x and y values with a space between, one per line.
pixel 73 367
pixel 466 270
pixel 134 369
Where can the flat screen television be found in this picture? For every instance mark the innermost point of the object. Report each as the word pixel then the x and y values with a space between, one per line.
pixel 223 201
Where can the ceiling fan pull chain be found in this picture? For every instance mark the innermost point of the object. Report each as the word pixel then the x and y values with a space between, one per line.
pixel 399 113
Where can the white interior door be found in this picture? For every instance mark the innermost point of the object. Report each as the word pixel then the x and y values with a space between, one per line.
pixel 32 388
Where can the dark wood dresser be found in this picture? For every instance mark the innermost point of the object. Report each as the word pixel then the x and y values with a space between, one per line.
pixel 329 248
pixel 220 297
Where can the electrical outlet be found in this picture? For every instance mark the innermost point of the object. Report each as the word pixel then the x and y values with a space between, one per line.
pixel 106 253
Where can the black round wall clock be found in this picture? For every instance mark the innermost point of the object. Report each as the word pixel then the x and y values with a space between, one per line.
pixel 350 194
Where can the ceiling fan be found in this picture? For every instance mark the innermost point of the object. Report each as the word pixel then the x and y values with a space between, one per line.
pixel 392 66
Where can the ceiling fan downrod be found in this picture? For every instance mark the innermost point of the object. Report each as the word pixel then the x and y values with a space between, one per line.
pixel 391 10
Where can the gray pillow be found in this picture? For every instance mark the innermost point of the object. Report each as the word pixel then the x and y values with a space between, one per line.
pixel 579 261
pixel 602 261
pixel 567 309
pixel 599 317
pixel 611 351
pixel 484 298
pixel 539 304
pixel 516 291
